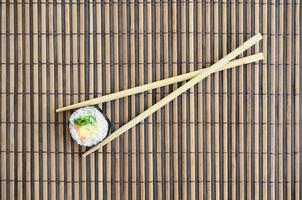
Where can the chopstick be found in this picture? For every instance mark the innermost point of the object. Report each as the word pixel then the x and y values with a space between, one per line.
pixel 214 68
pixel 157 84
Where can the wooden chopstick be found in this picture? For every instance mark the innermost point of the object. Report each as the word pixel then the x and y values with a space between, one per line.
pixel 214 68
pixel 157 84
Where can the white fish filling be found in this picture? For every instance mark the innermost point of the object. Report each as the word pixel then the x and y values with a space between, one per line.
pixel 101 126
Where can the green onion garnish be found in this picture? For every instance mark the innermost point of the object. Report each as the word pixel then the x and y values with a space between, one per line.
pixel 84 120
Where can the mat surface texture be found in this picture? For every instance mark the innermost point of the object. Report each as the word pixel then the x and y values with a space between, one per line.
pixel 237 134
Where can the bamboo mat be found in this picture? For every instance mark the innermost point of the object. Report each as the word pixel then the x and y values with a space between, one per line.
pixel 235 135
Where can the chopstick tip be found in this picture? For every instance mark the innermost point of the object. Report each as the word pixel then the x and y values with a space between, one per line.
pixel 259 35
pixel 84 155
pixel 261 55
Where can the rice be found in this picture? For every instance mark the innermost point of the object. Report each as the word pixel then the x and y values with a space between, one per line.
pixel 88 126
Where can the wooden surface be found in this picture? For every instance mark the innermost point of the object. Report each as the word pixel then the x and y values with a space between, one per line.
pixel 235 135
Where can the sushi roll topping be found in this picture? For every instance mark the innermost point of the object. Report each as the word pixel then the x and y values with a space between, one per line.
pixel 86 125
pixel 84 120
pixel 88 131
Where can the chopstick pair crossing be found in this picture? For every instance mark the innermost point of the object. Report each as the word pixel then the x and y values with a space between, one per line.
pixel 200 75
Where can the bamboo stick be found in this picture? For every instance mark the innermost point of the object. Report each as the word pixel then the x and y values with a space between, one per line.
pixel 214 68
pixel 157 84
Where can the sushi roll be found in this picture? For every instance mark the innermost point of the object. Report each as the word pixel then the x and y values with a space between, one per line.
pixel 88 126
